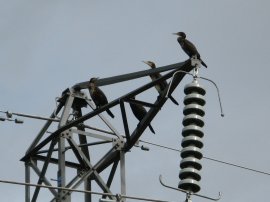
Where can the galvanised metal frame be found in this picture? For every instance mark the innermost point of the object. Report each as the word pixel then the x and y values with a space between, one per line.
pixel 70 105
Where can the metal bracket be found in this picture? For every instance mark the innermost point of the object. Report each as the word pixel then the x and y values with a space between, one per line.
pixel 188 198
pixel 118 143
pixel 90 134
pixel 195 76
pixel 119 198
pixel 188 193
pixel 66 134
pixel 195 62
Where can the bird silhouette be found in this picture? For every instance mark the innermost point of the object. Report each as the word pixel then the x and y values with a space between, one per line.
pixel 139 112
pixel 188 47
pixel 162 84
pixel 98 96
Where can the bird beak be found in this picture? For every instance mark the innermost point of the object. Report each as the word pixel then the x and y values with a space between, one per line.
pixel 147 62
pixel 175 34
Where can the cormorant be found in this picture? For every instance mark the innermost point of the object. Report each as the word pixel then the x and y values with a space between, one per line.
pixel 98 96
pixel 188 47
pixel 162 84
pixel 139 112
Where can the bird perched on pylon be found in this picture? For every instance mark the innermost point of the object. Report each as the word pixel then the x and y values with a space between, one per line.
pixel 162 84
pixel 98 96
pixel 139 112
pixel 188 47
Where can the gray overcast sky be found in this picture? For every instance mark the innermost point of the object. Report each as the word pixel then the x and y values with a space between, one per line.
pixel 47 46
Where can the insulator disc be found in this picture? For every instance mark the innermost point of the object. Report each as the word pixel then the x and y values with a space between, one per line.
pixel 192 140
pixel 190 173
pixel 192 130
pixel 190 162
pixel 191 151
pixel 194 98
pixel 189 185
pixel 193 119
pixel 193 109
pixel 194 86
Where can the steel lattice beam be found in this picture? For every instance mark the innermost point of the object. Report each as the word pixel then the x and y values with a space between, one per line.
pixel 71 98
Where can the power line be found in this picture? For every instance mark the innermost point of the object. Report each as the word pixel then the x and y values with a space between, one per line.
pixel 9 115
pixel 208 158
pixel 80 191
pixel 238 166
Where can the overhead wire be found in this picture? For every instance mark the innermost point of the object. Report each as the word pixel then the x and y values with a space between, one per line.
pixel 157 145
pixel 125 196
pixel 80 191
pixel 209 158
pixel 9 114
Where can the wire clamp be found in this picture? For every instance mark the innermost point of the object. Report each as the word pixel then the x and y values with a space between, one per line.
pixel 189 194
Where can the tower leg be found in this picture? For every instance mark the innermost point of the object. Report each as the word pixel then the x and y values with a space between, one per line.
pixel 61 174
pixel 123 174
pixel 27 180
pixel 85 150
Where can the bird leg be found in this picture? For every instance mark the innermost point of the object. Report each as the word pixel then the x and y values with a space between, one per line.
pixel 195 72
pixel 195 62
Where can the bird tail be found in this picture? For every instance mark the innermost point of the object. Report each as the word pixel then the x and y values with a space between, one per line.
pixel 151 128
pixel 173 100
pixel 203 64
pixel 110 113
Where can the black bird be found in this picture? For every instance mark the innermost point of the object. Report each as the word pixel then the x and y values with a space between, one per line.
pixel 162 84
pixel 188 47
pixel 98 96
pixel 139 112
pixel 160 87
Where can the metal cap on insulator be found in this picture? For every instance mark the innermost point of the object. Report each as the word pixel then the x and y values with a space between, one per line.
pixel 193 119
pixel 193 109
pixel 192 130
pixel 192 140
pixel 191 151
pixel 190 173
pixel 189 185
pixel 190 162
pixel 194 98
pixel 194 86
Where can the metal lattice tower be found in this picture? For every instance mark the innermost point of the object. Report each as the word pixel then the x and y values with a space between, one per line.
pixel 74 134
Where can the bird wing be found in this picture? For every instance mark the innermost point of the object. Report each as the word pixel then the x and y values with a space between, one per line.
pixel 99 97
pixel 138 111
pixel 160 85
pixel 190 48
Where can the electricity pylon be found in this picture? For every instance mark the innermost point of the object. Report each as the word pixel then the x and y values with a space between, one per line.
pixel 74 134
